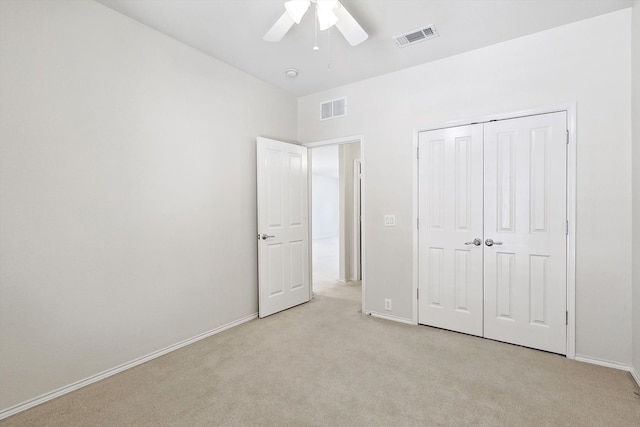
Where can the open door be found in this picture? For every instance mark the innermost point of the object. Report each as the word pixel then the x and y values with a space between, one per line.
pixel 283 226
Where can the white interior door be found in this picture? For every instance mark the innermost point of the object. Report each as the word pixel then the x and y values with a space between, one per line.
pixel 525 216
pixel 283 226
pixel 450 232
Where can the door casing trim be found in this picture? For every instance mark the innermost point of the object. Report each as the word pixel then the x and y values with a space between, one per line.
pixel 570 108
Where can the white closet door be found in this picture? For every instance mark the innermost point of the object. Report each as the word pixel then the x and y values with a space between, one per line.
pixel 450 207
pixel 525 215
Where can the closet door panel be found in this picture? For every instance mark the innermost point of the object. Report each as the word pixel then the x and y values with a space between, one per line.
pixel 450 210
pixel 525 217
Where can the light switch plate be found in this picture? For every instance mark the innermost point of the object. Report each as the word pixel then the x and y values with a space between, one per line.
pixel 389 220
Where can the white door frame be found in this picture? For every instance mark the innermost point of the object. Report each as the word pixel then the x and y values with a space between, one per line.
pixel 341 141
pixel 570 109
pixel 356 263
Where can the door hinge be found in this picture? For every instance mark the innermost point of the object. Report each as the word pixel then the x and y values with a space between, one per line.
pixel 567 136
pixel 418 293
pixel 418 223
pixel 418 153
pixel 566 318
pixel 567 229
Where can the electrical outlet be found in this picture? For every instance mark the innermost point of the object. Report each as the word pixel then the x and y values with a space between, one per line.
pixel 389 220
pixel 387 304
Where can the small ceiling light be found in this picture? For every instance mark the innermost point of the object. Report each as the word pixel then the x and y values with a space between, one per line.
pixel 292 73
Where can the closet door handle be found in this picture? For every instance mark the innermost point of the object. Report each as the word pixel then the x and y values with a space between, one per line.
pixel 476 242
pixel 490 242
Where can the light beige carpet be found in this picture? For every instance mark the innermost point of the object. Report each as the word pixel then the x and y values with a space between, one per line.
pixel 325 262
pixel 326 364
pixel 325 272
pixel 345 290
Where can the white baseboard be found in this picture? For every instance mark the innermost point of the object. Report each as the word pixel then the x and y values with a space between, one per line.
pixel 607 364
pixel 635 375
pixel 390 317
pixel 5 413
pixel 324 237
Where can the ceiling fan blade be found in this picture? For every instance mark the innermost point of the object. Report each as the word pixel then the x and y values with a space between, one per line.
pixel 279 29
pixel 350 29
pixel 297 9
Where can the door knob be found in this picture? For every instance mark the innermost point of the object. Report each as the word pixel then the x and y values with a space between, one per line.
pixel 476 242
pixel 265 236
pixel 490 242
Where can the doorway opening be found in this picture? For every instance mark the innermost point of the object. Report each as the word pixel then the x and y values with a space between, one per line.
pixel 336 226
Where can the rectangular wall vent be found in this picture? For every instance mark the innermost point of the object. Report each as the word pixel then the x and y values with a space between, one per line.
pixel 334 108
pixel 416 36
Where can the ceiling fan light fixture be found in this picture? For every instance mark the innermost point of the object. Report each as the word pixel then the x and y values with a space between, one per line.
pixel 326 17
pixel 326 4
pixel 330 13
pixel 296 9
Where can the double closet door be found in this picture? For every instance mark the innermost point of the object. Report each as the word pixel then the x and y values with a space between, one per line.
pixel 493 230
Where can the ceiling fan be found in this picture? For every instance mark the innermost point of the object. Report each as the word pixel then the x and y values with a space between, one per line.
pixel 329 13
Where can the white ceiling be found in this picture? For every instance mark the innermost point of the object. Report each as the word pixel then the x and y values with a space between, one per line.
pixel 232 30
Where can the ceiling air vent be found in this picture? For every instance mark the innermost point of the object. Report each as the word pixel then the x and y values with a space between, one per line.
pixel 334 108
pixel 416 36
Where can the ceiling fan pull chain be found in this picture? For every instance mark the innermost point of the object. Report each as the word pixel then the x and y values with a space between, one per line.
pixel 315 46
pixel 328 49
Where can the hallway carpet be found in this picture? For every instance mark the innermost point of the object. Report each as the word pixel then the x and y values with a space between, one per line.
pixel 325 262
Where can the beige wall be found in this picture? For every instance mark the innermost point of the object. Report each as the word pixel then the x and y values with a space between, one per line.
pixel 127 186
pixel 635 67
pixel 586 62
